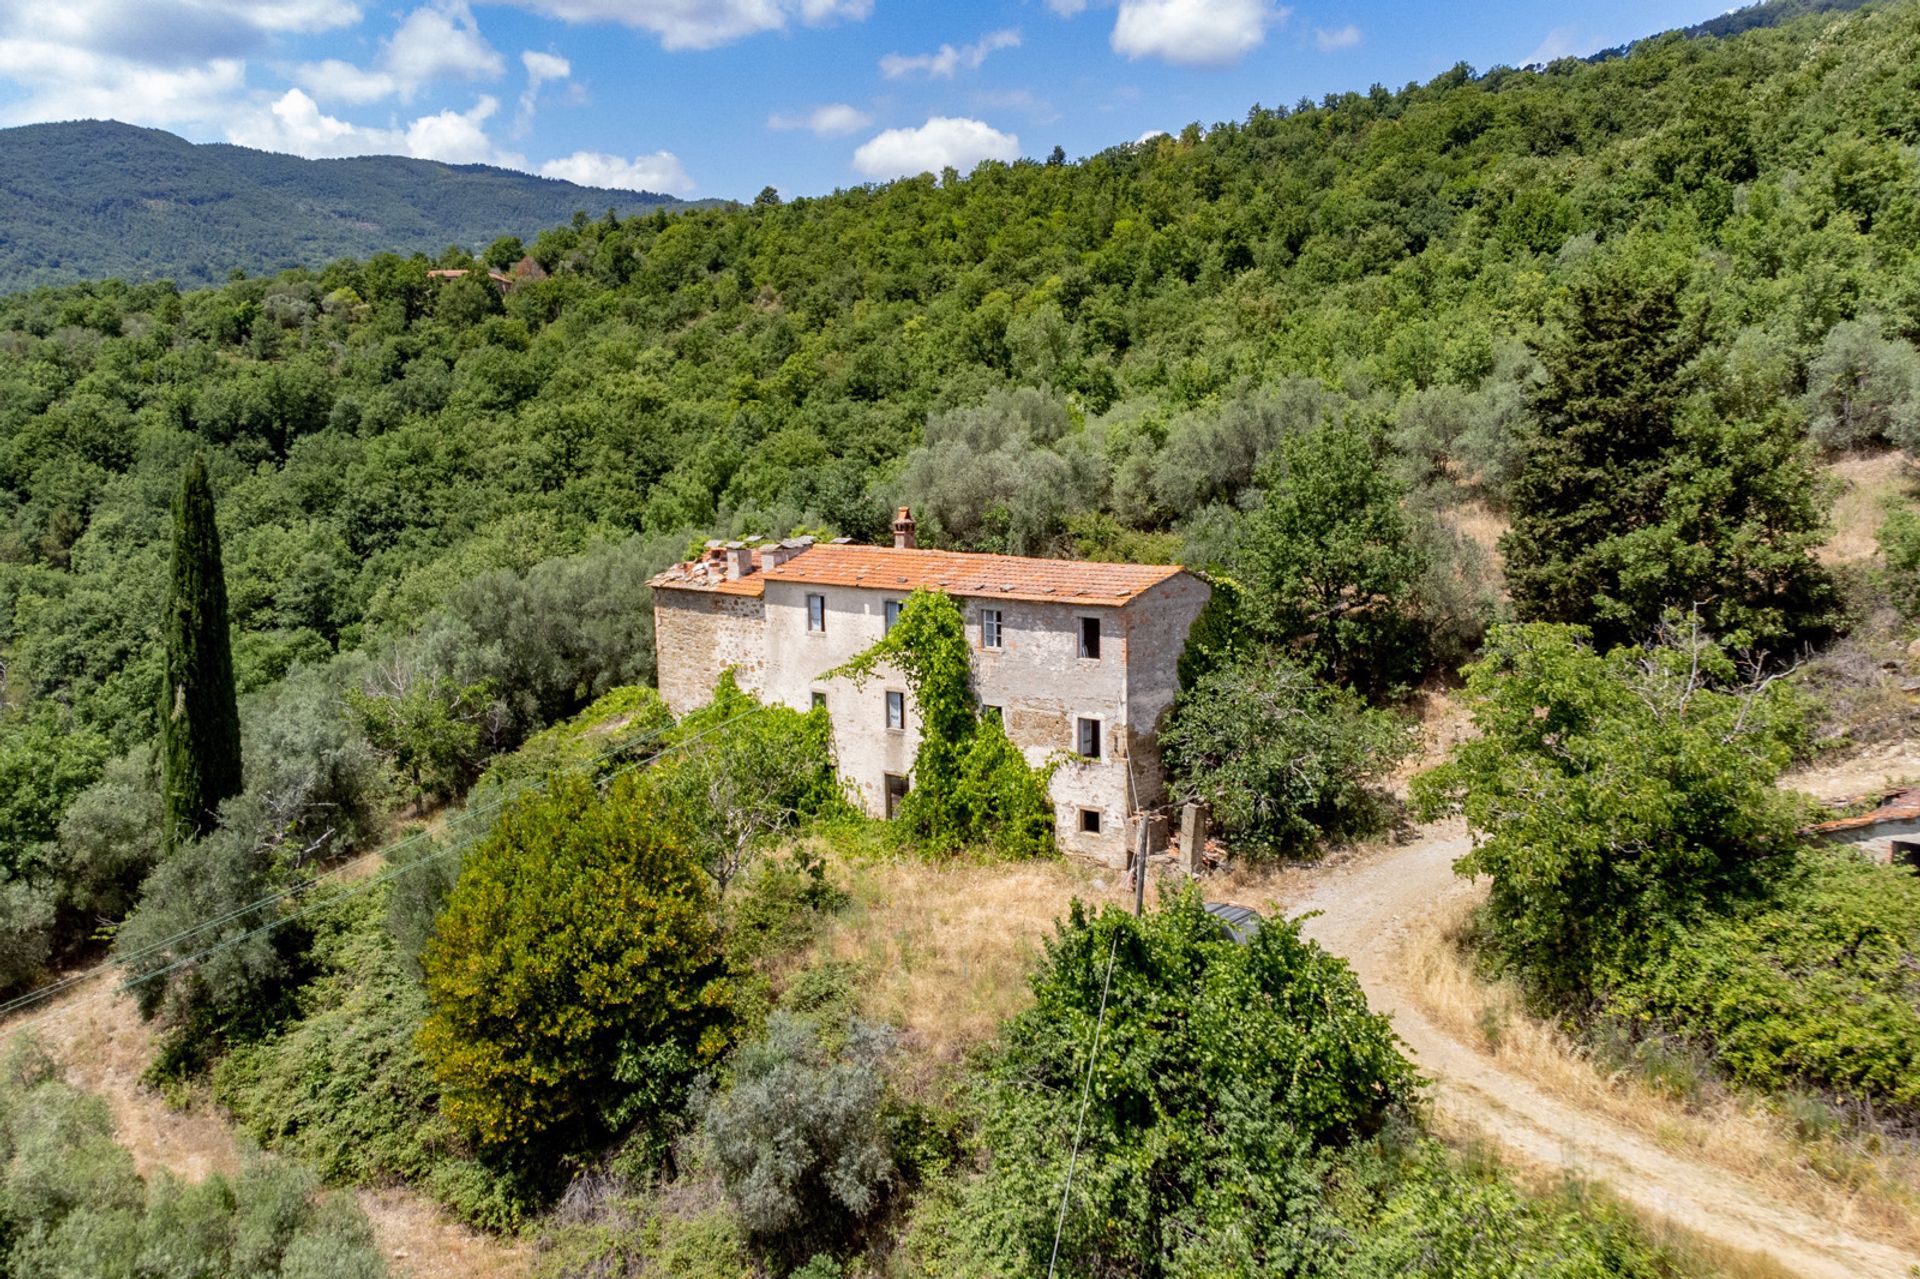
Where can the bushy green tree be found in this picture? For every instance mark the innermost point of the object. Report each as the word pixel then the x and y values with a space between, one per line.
pixel 1282 759
pixel 1863 389
pixel 1635 495
pixel 1225 1077
pixel 576 978
pixel 1329 561
pixel 199 716
pixel 1614 796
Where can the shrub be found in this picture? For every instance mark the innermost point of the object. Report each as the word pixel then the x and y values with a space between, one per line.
pixel 1226 1076
pixel 798 1137
pixel 1900 549
pixel 1815 985
pixel 1612 797
pixel 1409 1207
pixel 1282 759
pixel 73 1207
pixel 575 978
pixel 739 773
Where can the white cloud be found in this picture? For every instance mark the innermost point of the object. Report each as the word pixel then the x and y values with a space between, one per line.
pixel 68 83
pixel 703 24
pixel 831 120
pixel 1561 42
pixel 435 42
pixel 941 142
pixel 943 64
pixel 1193 33
pixel 455 137
pixel 439 42
pixel 661 171
pixel 338 81
pixel 542 68
pixel 294 123
pixel 1067 8
pixel 1332 40
pixel 1150 135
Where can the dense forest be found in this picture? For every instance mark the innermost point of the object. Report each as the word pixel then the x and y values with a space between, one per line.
pixel 91 199
pixel 1526 374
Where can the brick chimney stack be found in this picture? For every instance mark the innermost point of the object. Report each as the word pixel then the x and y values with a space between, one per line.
pixel 903 527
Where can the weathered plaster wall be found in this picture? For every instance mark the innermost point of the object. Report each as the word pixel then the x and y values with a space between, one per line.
pixel 1156 635
pixel 1037 679
pixel 699 634
pixel 1876 841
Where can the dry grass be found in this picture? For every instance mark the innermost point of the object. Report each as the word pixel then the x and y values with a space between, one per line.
pixel 1865 482
pixel 1698 1254
pixel 944 949
pixel 103 1047
pixel 1876 1190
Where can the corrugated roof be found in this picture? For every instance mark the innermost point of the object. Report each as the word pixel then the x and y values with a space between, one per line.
pixel 1898 806
pixel 1010 577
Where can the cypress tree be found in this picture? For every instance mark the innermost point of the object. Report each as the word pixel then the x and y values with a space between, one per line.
pixel 199 717
pixel 1598 469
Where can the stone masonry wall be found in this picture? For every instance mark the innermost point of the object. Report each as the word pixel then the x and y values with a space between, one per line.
pixel 699 634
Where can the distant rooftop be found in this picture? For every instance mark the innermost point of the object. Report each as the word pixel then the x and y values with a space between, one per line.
pixel 901 570
pixel 1889 806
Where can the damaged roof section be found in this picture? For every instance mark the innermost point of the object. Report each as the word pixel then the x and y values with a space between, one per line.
pixel 1888 806
pixel 744 568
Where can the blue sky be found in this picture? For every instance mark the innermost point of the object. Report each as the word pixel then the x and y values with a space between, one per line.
pixel 722 97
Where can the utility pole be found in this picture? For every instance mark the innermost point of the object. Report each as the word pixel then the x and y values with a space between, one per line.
pixel 1140 865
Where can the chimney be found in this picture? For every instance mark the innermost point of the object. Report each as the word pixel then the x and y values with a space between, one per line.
pixel 739 561
pixel 903 527
pixel 779 553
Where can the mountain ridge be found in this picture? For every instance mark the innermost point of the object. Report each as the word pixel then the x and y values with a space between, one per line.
pixel 93 198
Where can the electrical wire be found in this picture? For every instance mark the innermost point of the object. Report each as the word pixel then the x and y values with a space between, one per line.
pixel 1086 1097
pixel 391 872
pixel 28 998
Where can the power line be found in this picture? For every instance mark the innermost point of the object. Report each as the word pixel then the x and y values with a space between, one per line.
pixel 1086 1097
pixel 392 872
pixel 31 997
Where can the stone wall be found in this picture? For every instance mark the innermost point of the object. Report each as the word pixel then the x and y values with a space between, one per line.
pixel 699 634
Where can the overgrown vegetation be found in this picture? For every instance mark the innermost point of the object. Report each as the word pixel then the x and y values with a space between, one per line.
pixel 1247 1116
pixel 73 1207
pixel 1648 874
pixel 972 788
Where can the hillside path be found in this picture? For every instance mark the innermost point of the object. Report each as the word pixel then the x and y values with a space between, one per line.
pixel 103 1047
pixel 1369 906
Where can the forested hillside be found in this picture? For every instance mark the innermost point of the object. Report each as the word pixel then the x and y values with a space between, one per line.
pixel 92 199
pixel 1565 347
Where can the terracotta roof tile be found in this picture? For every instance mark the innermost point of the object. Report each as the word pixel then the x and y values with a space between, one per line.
pixel 1012 577
pixel 707 575
pixel 1900 806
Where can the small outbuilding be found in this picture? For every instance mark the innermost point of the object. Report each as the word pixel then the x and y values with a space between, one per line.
pixel 1888 831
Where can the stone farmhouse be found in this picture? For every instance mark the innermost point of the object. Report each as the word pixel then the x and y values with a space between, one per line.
pixel 1077 658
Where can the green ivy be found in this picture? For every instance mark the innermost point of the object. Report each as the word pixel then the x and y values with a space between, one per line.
pixel 971 785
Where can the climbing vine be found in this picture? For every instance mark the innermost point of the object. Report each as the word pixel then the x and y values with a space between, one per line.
pixel 971 785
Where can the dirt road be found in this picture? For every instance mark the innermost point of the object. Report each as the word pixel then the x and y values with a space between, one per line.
pixel 103 1047
pixel 1369 905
